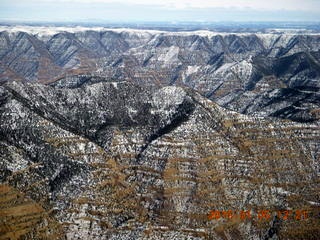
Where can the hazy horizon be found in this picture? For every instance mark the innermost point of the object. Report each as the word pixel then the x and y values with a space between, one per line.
pixel 164 11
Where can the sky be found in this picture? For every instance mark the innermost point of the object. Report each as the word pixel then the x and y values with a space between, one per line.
pixel 159 11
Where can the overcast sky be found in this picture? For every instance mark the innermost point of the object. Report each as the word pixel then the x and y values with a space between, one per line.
pixel 164 10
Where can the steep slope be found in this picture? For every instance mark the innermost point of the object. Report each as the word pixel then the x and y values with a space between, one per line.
pixel 245 72
pixel 114 160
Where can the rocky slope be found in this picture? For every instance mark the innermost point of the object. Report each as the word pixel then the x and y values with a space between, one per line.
pixel 86 158
pixel 269 74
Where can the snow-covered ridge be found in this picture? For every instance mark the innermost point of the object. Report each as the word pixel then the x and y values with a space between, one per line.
pixel 43 30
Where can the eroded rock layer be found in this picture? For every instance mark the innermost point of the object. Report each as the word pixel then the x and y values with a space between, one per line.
pixel 264 74
pixel 114 160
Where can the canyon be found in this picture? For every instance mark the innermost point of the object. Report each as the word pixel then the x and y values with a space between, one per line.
pixel 140 134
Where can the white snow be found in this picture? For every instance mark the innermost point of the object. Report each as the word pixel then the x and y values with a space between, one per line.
pixel 314 203
pixel 268 39
pixel 132 112
pixel 49 30
pixel 192 69
pixel 224 67
pixel 171 55
pixel 243 68
pixel 42 30
pixel 114 84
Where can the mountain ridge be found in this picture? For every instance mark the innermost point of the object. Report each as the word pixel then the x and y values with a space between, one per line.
pixel 142 162
pixel 234 70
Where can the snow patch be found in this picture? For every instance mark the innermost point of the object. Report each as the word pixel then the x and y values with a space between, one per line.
pixel 171 55
pixel 191 70
pixel 225 67
pixel 115 85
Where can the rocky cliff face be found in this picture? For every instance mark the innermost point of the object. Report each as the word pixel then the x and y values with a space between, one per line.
pixel 271 74
pixel 86 158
